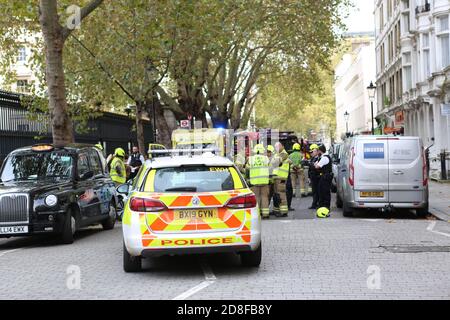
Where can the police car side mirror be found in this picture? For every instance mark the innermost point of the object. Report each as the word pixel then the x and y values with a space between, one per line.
pixel 123 188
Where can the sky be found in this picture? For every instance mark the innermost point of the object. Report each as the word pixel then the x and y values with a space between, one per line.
pixel 361 16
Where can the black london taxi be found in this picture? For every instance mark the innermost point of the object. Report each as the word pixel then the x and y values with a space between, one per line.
pixel 52 190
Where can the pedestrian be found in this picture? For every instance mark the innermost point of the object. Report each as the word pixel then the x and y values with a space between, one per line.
pixel 297 171
pixel 258 166
pixel 135 161
pixel 117 168
pixel 281 175
pixel 325 171
pixel 314 177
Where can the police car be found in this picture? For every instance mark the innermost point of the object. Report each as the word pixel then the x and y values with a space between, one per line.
pixel 189 204
pixel 49 190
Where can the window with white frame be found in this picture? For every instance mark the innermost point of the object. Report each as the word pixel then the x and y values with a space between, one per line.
pixel 22 55
pixel 22 86
pixel 443 40
pixel 407 71
pixel 426 55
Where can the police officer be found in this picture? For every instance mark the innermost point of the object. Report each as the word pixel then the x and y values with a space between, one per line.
pixel 135 161
pixel 314 176
pixel 324 168
pixel 117 169
pixel 258 167
pixel 281 175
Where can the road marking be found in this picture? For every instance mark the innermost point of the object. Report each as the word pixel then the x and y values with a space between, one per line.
pixel 210 278
pixel 431 229
pixel 370 220
pixel 9 251
pixel 285 221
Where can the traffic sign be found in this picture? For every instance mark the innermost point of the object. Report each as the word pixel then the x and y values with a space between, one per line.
pixel 185 124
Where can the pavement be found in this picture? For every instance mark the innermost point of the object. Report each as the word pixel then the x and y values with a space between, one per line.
pixel 370 256
pixel 440 200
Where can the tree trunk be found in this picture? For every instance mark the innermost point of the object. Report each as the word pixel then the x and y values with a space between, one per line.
pixel 140 126
pixel 62 128
pixel 164 132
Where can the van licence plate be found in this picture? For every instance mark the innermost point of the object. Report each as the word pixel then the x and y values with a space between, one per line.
pixel 196 214
pixel 372 194
pixel 13 230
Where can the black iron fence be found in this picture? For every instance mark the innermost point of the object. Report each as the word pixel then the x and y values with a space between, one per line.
pixel 18 130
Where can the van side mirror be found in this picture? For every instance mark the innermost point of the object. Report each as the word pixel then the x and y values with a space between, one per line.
pixel 86 176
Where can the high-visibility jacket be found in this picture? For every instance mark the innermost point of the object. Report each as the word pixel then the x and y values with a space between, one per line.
pixel 258 170
pixel 282 172
pixel 296 158
pixel 114 173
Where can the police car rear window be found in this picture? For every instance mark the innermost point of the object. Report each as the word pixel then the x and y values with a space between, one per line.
pixel 193 179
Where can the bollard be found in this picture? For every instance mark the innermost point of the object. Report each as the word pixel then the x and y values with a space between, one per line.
pixel 443 165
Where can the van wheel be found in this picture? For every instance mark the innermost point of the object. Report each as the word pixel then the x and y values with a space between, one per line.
pixel 422 213
pixel 338 201
pixel 347 211
pixel 109 223
pixel 252 258
pixel 69 227
pixel 131 263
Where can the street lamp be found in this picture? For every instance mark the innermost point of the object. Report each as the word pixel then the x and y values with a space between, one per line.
pixel 346 117
pixel 371 89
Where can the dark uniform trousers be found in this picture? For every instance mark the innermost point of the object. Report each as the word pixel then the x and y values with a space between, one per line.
pixel 315 190
pixel 325 190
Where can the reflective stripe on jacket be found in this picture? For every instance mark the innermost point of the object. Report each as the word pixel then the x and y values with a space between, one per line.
pixel 282 172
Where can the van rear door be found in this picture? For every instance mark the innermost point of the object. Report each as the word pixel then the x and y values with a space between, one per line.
pixel 371 172
pixel 405 170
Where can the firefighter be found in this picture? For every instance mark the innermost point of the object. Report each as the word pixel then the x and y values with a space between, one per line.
pixel 314 176
pixel 281 175
pixel 325 170
pixel 306 153
pixel 258 167
pixel 135 161
pixel 297 171
pixel 117 169
pixel 272 164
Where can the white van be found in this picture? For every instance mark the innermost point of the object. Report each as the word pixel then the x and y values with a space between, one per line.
pixel 382 172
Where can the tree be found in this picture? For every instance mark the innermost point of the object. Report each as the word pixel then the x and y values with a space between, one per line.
pixel 20 19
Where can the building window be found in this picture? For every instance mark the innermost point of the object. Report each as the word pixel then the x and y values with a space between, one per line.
pixel 426 55
pixel 407 71
pixel 22 86
pixel 22 56
pixel 443 41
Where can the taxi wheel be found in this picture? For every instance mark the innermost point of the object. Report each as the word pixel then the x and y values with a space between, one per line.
pixel 109 223
pixel 130 263
pixel 252 258
pixel 347 211
pixel 69 227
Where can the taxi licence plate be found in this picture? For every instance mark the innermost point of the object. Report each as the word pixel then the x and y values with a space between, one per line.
pixel 372 194
pixel 196 214
pixel 12 230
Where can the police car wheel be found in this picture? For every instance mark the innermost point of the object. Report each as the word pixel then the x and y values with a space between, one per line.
pixel 252 258
pixel 109 223
pixel 130 263
pixel 69 227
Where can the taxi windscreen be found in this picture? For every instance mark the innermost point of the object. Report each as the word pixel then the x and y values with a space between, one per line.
pixel 37 166
pixel 194 179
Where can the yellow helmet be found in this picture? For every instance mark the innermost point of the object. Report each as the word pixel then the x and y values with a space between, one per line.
pixel 99 146
pixel 314 147
pixel 270 148
pixel 259 148
pixel 323 212
pixel 119 152
pixel 296 147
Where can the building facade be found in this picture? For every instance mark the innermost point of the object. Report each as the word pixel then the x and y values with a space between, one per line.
pixel 353 74
pixel 413 70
